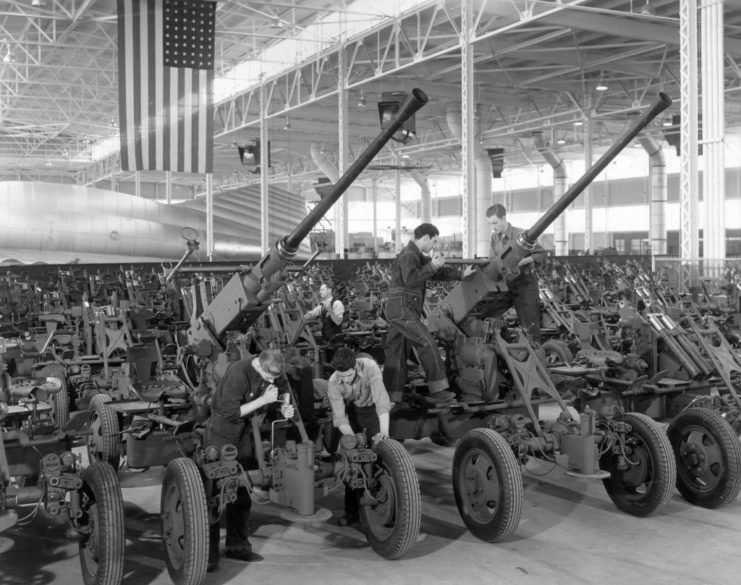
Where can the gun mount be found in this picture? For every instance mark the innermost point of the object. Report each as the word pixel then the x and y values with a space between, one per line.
pixel 493 276
pixel 508 410
pixel 244 297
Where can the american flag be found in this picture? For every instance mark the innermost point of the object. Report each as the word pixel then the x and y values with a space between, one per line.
pixel 165 78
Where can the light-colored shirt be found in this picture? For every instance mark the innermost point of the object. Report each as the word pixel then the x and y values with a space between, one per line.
pixel 365 389
pixel 336 310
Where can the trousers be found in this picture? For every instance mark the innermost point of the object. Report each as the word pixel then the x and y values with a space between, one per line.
pixel 525 298
pixel 220 432
pixel 407 330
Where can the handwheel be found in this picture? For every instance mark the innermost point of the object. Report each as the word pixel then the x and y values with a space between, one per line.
pixel 102 526
pixel 393 517
pixel 708 457
pixel 642 473
pixel 104 440
pixel 557 352
pixel 487 485
pixel 184 522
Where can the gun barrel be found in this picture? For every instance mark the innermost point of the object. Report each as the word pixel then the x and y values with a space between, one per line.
pixel 416 99
pixel 662 102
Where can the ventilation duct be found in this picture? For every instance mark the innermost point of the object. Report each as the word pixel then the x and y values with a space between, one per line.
pixel 482 164
pixel 323 163
pixel 561 238
pixel 426 203
pixel 658 195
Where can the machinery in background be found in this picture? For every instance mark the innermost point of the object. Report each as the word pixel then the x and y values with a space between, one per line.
pixel 152 409
pixel 40 474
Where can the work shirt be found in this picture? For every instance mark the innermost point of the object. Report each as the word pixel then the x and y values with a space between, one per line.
pixel 500 242
pixel 331 311
pixel 241 383
pixel 365 389
pixel 410 271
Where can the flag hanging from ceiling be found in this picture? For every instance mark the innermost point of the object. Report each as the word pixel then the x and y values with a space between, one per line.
pixel 165 79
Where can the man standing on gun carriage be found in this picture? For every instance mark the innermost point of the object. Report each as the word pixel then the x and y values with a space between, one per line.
pixel 522 291
pixel 417 263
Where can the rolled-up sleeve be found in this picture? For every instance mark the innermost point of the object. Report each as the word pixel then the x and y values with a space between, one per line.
pixel 378 390
pixel 337 404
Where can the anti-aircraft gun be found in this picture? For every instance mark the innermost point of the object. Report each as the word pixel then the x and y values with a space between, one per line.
pixel 41 475
pixel 200 480
pixel 508 410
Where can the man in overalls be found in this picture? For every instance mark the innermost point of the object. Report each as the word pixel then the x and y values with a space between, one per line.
pixel 413 267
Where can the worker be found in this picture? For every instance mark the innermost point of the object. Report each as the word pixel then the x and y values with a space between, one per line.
pixel 331 312
pixel 360 404
pixel 522 292
pixel 417 263
pixel 248 385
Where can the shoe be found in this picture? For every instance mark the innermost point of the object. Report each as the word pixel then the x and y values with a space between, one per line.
pixel 246 556
pixel 438 397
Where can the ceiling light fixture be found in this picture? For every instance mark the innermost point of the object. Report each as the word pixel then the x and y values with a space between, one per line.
pixel 578 123
pixel 666 122
pixel 648 9
pixel 601 87
pixel 287 125
pixel 362 101
pixel 561 141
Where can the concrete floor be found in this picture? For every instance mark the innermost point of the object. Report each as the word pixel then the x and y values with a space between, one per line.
pixel 570 533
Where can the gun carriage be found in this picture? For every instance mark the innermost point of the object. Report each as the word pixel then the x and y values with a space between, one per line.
pixel 41 474
pixel 153 408
pixel 508 409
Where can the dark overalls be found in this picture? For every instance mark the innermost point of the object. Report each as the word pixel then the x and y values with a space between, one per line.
pixel 241 383
pixel 409 274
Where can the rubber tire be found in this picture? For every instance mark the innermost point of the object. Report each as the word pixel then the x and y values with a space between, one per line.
pixel 394 538
pixel 485 453
pixel 651 443
pixel 102 551
pixel 559 349
pixel 185 522
pixel 104 441
pixel 722 453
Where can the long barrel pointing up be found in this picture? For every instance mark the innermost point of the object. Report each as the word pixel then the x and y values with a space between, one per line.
pixel 662 102
pixel 413 102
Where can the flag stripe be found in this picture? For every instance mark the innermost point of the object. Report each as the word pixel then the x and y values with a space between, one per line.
pixel 165 112
pixel 152 58
pixel 159 95
pixel 123 81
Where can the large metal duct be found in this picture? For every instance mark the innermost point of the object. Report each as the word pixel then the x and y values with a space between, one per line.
pixel 322 161
pixel 426 198
pixel 482 164
pixel 560 182
pixel 54 218
pixel 658 195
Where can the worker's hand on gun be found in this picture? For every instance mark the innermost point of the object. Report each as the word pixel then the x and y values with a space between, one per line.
pixel 468 271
